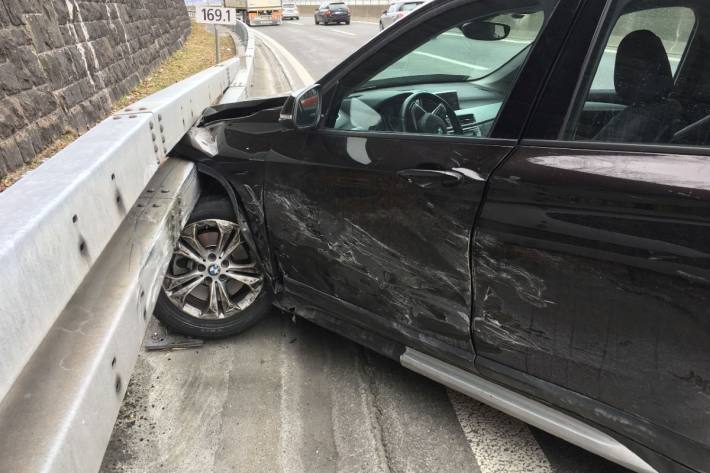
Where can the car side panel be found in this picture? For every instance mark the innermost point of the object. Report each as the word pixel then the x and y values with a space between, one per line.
pixel 592 272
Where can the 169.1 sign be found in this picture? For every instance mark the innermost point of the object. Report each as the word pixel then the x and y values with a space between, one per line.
pixel 216 15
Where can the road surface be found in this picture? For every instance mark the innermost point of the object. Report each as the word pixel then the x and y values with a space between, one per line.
pixel 287 396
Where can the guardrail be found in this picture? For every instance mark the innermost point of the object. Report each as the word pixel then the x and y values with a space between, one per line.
pixel 240 87
pixel 84 242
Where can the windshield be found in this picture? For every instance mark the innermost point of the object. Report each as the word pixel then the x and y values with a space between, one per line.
pixel 452 54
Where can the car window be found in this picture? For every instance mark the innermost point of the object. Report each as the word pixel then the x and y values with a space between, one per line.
pixel 410 6
pixel 471 72
pixel 392 8
pixel 646 81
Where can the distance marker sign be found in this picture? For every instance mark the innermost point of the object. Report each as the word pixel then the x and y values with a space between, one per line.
pixel 216 15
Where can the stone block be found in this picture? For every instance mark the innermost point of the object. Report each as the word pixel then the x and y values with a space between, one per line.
pixel 45 34
pixel 10 157
pixel 11 117
pixel 12 80
pixel 24 144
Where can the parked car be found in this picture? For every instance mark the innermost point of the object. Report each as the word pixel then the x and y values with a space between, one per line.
pixel 511 197
pixel 397 11
pixel 332 12
pixel 290 11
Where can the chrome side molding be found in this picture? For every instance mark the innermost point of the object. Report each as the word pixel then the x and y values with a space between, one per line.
pixel 529 411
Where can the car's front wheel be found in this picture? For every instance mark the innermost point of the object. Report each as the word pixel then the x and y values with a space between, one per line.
pixel 315 18
pixel 214 286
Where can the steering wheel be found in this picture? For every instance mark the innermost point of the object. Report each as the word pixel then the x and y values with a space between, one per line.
pixel 424 112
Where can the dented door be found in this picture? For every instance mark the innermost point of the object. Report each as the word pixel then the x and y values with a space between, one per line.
pixel 344 221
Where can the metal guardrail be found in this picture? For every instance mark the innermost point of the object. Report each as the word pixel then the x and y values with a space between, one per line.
pixel 240 86
pixel 84 242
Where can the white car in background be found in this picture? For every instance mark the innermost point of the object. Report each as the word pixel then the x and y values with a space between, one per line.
pixel 397 11
pixel 290 11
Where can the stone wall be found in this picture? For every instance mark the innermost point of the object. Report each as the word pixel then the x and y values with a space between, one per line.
pixel 64 62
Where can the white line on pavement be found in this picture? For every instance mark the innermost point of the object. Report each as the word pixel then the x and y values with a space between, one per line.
pixel 365 22
pixel 294 23
pixel 342 32
pixel 304 78
pixel 452 61
pixel 499 442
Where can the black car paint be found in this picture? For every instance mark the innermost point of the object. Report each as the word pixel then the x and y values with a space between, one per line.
pixel 554 222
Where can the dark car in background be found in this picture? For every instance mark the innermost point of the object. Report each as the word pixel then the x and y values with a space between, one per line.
pixel 397 11
pixel 511 197
pixel 332 12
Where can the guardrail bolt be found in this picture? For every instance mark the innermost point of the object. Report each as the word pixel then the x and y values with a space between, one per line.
pixel 113 362
pixel 74 218
pixel 113 177
pixel 118 384
pixel 151 125
pixel 153 135
pixel 160 118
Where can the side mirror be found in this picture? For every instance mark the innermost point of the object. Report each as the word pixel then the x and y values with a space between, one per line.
pixel 302 109
pixel 485 30
pixel 384 12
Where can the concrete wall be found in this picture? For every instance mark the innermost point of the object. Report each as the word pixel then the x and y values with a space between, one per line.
pixel 64 62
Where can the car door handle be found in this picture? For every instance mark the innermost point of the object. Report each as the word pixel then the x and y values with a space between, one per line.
pixel 431 177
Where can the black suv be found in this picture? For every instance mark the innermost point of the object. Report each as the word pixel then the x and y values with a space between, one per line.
pixel 332 12
pixel 511 197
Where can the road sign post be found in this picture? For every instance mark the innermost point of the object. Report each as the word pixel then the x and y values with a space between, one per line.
pixel 216 16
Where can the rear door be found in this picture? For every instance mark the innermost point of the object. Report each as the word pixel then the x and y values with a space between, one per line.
pixel 592 255
pixel 375 223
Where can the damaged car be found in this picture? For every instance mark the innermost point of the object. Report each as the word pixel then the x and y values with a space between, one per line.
pixel 511 197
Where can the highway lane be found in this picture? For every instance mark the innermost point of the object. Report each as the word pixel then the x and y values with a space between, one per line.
pixel 319 48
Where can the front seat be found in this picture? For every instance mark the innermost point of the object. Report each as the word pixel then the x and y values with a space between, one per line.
pixel 643 80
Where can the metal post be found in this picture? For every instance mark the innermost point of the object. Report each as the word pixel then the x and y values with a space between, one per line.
pixel 216 44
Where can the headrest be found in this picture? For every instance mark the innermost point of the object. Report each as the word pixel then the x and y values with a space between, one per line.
pixel 643 72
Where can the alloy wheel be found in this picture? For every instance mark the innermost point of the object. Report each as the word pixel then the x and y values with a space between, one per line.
pixel 212 274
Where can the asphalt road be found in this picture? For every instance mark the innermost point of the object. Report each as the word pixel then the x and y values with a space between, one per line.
pixel 287 396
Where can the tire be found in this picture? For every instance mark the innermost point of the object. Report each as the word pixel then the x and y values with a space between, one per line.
pixel 347 22
pixel 382 27
pixel 211 209
pixel 316 20
pixel 298 18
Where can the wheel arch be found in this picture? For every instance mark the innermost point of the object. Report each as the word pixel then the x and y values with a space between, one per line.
pixel 214 184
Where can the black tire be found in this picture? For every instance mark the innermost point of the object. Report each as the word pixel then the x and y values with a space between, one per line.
pixel 213 208
pixel 316 20
pixel 347 22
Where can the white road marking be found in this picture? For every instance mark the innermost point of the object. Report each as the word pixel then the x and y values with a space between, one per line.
pixel 452 61
pixel 365 22
pixel 499 442
pixel 342 32
pixel 303 79
pixel 294 23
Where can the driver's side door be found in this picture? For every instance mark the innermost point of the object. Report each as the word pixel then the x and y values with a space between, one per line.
pixel 374 222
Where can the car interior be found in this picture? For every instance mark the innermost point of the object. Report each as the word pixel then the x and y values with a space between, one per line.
pixel 454 82
pixel 644 83
pixel 649 88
